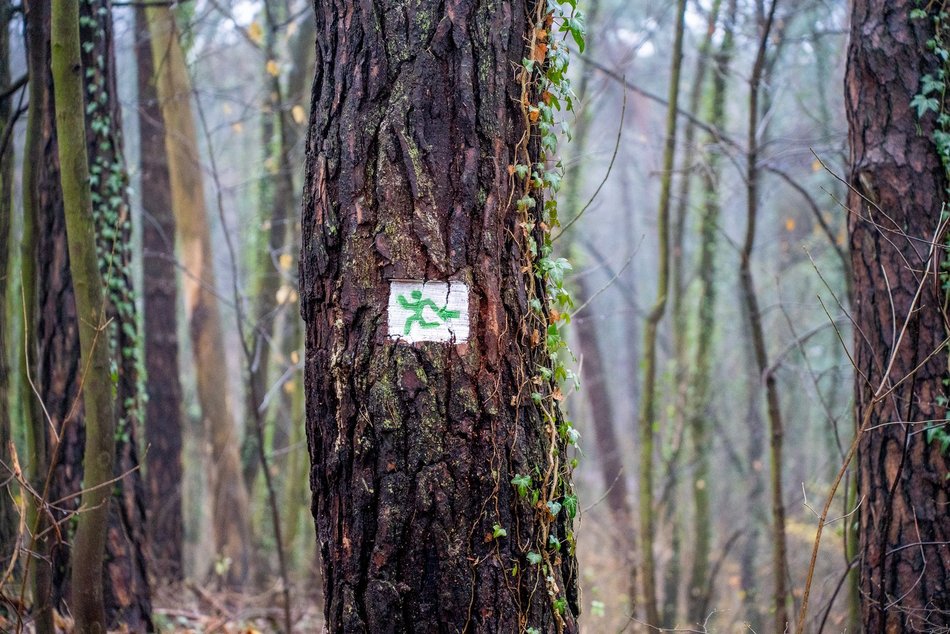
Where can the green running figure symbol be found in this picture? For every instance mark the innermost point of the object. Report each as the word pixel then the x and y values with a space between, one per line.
pixel 418 305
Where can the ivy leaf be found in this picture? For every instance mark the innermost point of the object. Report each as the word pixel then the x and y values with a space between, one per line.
pixel 522 483
pixel 534 558
pixel 570 505
pixel 924 104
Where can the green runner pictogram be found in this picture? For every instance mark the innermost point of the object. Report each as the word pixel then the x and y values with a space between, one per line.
pixel 417 305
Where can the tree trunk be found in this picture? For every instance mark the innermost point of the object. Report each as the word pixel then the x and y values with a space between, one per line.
pixel 648 409
pixel 55 365
pixel 898 189
pixel 229 495
pixel 595 377
pixel 276 209
pixel 128 596
pixel 754 317
pixel 88 548
pixel 8 510
pixel 609 450
pixel 163 413
pixel 416 118
pixel 690 404
pixel 42 233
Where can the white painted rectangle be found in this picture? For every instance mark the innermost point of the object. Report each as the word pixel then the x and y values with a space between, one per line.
pixel 428 311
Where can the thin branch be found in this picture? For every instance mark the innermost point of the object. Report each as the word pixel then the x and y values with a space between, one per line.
pixel 610 167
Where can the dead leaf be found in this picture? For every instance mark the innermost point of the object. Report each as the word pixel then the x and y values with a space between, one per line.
pixel 255 32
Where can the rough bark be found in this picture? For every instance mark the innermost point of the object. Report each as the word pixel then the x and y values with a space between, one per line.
pixel 899 187
pixel 163 412
pixel 416 116
pixel 229 495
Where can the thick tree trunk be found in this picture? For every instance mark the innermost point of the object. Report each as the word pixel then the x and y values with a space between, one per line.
pixel 415 121
pixel 229 495
pixel 163 413
pixel 899 187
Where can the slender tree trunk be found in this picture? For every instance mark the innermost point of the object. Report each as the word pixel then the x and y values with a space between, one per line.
pixel 8 510
pixel 898 192
pixel 39 170
pixel 609 452
pixel 685 400
pixel 414 446
pixel 700 411
pixel 163 413
pixel 595 377
pixel 648 410
pixel 276 208
pixel 229 495
pixel 754 489
pixel 88 547
pixel 754 316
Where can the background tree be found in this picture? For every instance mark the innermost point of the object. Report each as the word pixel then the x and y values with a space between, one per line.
pixel 647 423
pixel 8 510
pixel 57 442
pixel 229 495
pixel 163 413
pixel 90 540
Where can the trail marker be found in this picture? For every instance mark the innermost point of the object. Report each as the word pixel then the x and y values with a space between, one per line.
pixel 428 311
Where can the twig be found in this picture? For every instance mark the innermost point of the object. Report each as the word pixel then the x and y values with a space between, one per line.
pixel 610 167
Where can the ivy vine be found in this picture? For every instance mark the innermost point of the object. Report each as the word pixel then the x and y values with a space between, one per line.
pixel 546 105
pixel 932 98
pixel 109 185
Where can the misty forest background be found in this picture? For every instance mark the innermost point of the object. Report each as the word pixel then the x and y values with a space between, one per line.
pixel 710 508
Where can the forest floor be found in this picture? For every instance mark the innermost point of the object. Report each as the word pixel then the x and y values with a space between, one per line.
pixel 191 608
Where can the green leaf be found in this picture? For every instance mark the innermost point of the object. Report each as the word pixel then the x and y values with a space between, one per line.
pixel 924 104
pixel 570 505
pixel 534 558
pixel 522 483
